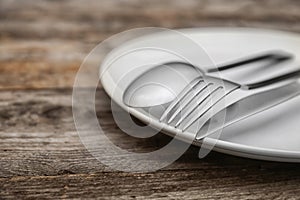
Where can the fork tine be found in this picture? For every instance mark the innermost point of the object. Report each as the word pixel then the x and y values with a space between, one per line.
pixel 191 110
pixel 196 117
pixel 182 94
pixel 185 103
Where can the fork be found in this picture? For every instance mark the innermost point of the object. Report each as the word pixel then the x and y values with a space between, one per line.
pixel 215 95
pixel 206 96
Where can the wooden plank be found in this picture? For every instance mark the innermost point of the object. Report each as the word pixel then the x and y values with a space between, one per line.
pixel 184 184
pixel 42 43
pixel 45 158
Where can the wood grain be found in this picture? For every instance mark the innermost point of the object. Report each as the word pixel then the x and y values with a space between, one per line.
pixel 42 156
pixel 42 44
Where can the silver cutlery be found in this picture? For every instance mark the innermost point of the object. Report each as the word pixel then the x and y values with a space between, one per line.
pixel 189 98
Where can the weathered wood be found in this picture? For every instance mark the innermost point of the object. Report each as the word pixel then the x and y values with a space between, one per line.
pixel 183 184
pixel 42 44
pixel 42 156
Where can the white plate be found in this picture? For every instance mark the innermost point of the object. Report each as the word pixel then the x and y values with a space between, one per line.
pixel 263 136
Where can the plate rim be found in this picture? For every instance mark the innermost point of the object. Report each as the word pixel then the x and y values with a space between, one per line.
pixel 220 145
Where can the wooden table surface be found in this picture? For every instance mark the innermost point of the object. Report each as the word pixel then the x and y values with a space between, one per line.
pixel 42 44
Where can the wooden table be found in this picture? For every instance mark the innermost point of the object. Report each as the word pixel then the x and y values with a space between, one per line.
pixel 42 44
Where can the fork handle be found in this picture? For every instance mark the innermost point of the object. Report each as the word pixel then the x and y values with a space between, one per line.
pixel 273 80
pixel 276 56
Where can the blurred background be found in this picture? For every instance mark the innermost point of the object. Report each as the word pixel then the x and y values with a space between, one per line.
pixel 43 42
